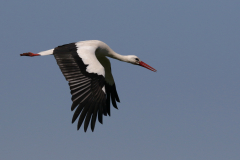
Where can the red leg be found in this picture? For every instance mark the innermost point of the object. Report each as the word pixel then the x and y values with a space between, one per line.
pixel 29 54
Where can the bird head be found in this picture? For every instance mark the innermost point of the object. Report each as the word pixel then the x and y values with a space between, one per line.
pixel 136 61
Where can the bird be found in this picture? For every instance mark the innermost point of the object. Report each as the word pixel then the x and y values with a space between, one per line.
pixel 87 69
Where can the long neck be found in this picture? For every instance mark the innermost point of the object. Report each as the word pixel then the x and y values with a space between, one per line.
pixel 117 56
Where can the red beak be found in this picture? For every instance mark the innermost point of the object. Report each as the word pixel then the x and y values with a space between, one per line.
pixel 147 66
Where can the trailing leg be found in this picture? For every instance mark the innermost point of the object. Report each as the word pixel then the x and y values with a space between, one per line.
pixel 43 53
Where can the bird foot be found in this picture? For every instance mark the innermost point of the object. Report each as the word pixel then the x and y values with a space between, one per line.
pixel 29 54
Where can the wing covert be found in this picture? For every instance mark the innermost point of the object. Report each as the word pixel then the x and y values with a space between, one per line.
pixel 88 96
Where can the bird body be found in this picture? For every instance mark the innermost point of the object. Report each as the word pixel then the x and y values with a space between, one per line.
pixel 88 70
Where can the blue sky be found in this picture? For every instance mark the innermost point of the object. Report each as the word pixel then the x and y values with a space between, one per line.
pixel 188 109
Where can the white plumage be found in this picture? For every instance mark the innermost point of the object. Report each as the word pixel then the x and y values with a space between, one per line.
pixel 87 69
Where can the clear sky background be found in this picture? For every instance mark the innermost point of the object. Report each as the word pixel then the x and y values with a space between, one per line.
pixel 189 109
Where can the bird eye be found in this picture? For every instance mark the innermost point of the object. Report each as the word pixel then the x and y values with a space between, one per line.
pixel 137 59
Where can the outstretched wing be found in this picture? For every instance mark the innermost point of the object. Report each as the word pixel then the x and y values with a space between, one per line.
pixel 109 84
pixel 86 81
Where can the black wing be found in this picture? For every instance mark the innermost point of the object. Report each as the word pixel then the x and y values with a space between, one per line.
pixel 111 94
pixel 86 88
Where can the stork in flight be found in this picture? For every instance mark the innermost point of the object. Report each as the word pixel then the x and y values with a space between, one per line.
pixel 87 69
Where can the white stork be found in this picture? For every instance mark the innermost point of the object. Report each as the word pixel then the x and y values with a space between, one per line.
pixel 87 69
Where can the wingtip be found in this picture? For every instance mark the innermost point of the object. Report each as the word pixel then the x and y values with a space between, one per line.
pixel 79 125
pixel 115 106
pixel 74 105
pixel 74 118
